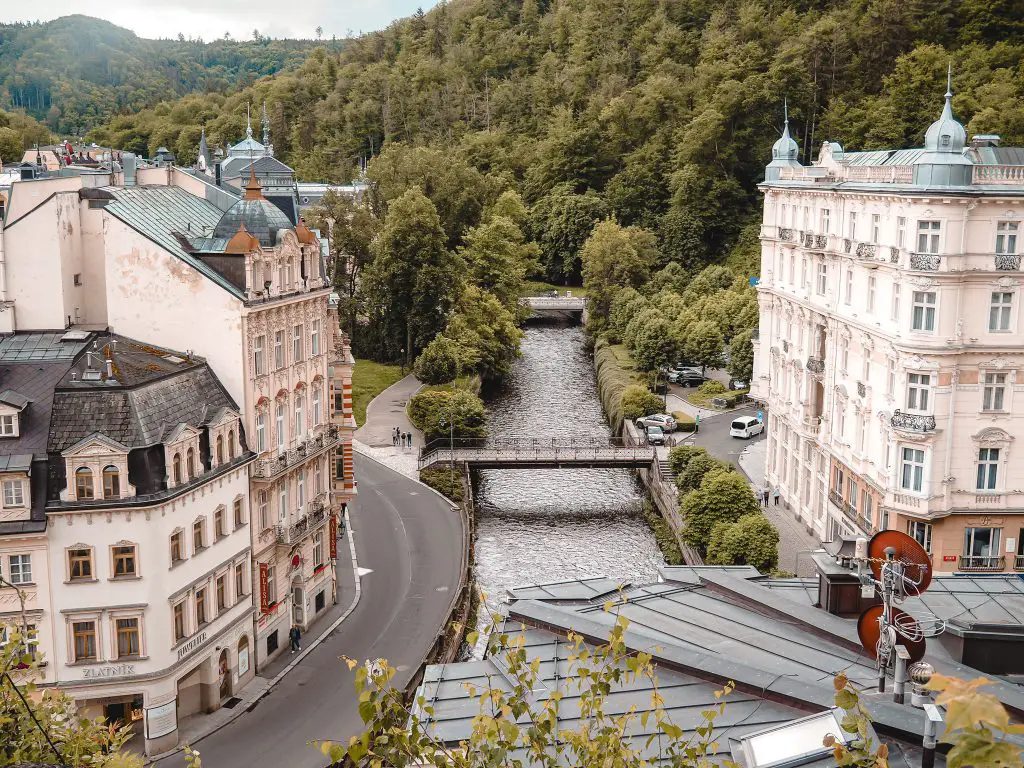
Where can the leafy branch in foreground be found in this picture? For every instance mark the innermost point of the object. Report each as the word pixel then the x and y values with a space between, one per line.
pixel 514 722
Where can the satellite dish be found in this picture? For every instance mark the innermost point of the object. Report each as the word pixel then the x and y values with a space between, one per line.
pixel 916 563
pixel 905 629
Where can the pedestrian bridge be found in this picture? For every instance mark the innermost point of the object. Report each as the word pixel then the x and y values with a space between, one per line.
pixel 536 453
pixel 544 304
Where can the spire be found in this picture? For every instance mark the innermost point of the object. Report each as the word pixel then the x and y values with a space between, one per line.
pixel 205 158
pixel 253 190
pixel 266 125
pixel 946 134
pixel 947 110
pixel 248 122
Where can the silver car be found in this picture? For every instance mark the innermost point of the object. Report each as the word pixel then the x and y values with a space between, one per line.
pixel 655 435
pixel 662 420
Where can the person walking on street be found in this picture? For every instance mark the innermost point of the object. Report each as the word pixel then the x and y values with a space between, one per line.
pixel 764 498
pixel 294 635
pixel 408 437
pixel 776 493
pixel 394 436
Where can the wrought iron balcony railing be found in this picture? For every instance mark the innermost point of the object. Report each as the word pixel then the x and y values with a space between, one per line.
pixel 912 422
pixel 815 365
pixel 866 250
pixel 1018 563
pixel 894 255
pixel 305 525
pixel 268 468
pixel 1007 262
pixel 924 262
pixel 862 389
pixel 786 234
pixel 981 563
pixel 847 245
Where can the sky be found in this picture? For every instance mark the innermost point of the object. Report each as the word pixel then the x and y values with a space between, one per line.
pixel 210 19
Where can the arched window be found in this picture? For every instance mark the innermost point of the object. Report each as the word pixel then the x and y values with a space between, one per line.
pixel 231 445
pixel 220 449
pixel 190 463
pixel 111 482
pixel 83 483
pixel 299 421
pixel 279 425
pixel 176 463
pixel 316 405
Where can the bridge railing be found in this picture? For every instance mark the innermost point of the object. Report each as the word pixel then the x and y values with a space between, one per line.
pixel 525 448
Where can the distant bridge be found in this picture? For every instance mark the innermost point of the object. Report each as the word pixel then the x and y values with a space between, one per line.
pixel 543 305
pixel 536 453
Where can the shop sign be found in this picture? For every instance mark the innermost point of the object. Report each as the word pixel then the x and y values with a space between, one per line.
pixel 116 671
pixel 264 588
pixel 949 558
pixel 334 537
pixel 162 720
pixel 243 661
pixel 191 645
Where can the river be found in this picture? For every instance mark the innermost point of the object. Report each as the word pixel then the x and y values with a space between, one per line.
pixel 540 526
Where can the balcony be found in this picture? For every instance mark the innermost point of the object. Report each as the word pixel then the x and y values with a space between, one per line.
pixel 786 234
pixel 847 509
pixel 912 422
pixel 894 255
pixel 862 389
pixel 1007 262
pixel 305 525
pixel 1018 563
pixel 981 563
pixel 997 175
pixel 847 245
pixel 924 262
pixel 785 346
pixel 816 365
pixel 269 468
pixel 866 250
pixel 811 424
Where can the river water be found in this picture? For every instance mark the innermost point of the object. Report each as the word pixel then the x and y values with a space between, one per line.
pixel 539 526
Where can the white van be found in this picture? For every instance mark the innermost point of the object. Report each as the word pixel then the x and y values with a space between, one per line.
pixel 746 426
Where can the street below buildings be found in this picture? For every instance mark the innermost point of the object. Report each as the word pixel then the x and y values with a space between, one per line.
pixel 409 546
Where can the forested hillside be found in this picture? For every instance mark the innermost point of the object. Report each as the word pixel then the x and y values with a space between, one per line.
pixel 76 72
pixel 661 112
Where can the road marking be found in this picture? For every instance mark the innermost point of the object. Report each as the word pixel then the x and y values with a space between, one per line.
pixel 364 571
pixel 441 589
pixel 414 493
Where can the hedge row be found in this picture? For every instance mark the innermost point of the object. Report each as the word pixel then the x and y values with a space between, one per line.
pixel 684 421
pixel 730 398
pixel 613 376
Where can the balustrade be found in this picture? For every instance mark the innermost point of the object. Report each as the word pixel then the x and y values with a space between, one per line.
pixel 912 422
pixel 1007 262
pixel 997 174
pixel 894 255
pixel 924 262
pixel 292 534
pixel 981 563
pixel 324 437
pixel 786 234
pixel 816 365
pixel 1018 563
pixel 866 250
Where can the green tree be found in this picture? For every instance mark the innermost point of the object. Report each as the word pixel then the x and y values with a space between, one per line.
pixel 721 497
pixel 560 223
pixel 485 333
pixel 638 400
pixel 697 468
pixel 439 362
pixel 671 277
pixel 704 345
pixel 615 257
pixel 681 455
pixel 12 146
pixel 627 303
pixel 751 540
pixel 499 258
pixel 428 409
pixel 413 281
pixel 741 357
pixel 654 346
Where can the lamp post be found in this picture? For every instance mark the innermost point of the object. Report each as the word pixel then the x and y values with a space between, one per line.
pixel 402 353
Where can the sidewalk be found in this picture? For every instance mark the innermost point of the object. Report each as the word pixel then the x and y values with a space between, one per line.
pixel 387 411
pixel 192 729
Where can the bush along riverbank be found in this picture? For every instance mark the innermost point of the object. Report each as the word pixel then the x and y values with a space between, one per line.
pixel 663 533
pixel 445 481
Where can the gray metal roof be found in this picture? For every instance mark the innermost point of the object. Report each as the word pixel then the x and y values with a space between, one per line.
pixel 37 380
pixel 20 347
pixel 162 213
pixel 14 399
pixel 574 589
pixel 238 167
pixel 261 217
pixel 18 462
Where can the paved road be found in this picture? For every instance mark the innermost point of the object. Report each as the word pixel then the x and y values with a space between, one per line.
pixel 387 411
pixel 412 541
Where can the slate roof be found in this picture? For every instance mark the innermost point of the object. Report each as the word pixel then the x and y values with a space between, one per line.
pixel 37 381
pixel 162 214
pixel 238 167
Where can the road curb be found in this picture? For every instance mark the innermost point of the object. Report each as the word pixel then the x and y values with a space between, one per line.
pixel 262 693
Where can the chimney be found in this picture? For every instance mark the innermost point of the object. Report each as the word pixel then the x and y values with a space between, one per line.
pixel 128 165
pixel 216 174
pixel 110 368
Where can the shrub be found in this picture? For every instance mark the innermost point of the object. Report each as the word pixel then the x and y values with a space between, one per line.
pixel 428 409
pixel 438 363
pixel 681 455
pixel 443 480
pixel 684 421
pixel 711 387
pixel 613 376
pixel 721 497
pixel 639 401
pixel 663 534
pixel 751 540
pixel 697 469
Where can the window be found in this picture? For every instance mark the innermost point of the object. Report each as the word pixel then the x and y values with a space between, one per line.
pixel 231 445
pixel 300 422
pixel 317 479
pixel 198 536
pixel 890 377
pixel 20 569
pixel 297 344
pixel 314 338
pixel 83 483
pixel 921 533
pixel 264 506
pixel 871 293
pixel 239 513
pixel 999 311
pixel 261 431
pixel 803 272
pixel 278 350
pixel 259 361
pixel 239 580
pixel 282 501
pixel 84 633
pixel 7 425
pixel 993 395
pixel 792 269
pixel 291 273
pixel 318 549
pixel 218 523
pixel 988 468
pixel 222 593
pixel 220 449
pixel 876 221
pixel 279 425
pixel 851 232
pixel 918 389
pixel 901 231
pixel 841 419
pixel 849 287
pixel 200 607
pixel 928 236
pixel 124 561
pixel 1006 237
pixel 179 621
pixel 177 547
pixel 80 564
pixel 176 464
pixel 128 638
pixel 826 217
pixel 981 543
pixel 844 355
pixel 190 463
pixel 315 399
pixel 13 493
pixel 912 475
pixel 923 318
pixel 111 482
pixel 281 279
pixel 866 503
pixel 271 584
pixel 301 490
pixel 896 301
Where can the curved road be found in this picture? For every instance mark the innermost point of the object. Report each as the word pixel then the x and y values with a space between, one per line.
pixel 412 541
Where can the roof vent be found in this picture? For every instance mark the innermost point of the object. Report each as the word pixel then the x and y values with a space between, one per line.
pixel 985 140
pixel 797 742
pixel 90 375
pixel 75 336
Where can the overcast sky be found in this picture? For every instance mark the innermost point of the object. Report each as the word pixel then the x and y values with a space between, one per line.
pixel 210 19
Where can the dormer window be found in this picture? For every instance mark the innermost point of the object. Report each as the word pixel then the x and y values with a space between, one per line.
pixel 231 445
pixel 177 468
pixel 83 484
pixel 190 463
pixel 220 450
pixel 111 482
pixel 9 425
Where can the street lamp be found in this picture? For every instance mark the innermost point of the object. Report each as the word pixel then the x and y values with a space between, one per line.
pixel 402 359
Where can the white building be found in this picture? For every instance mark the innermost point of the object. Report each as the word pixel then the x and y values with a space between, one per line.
pixel 890 339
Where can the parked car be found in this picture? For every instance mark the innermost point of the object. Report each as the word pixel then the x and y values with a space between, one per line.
pixel 738 384
pixel 746 426
pixel 687 378
pixel 552 294
pixel 663 420
pixel 655 435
